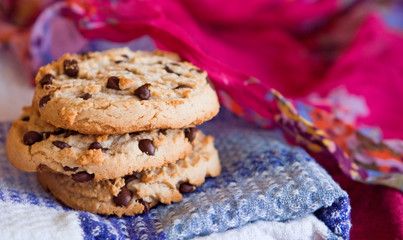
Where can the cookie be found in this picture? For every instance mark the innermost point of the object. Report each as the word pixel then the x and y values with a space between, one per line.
pixel 32 142
pixel 137 193
pixel 120 91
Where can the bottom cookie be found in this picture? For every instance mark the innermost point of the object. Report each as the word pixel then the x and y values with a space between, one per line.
pixel 137 193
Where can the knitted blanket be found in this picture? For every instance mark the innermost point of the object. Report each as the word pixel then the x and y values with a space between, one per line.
pixel 263 178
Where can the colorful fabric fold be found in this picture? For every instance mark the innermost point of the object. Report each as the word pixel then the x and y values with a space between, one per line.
pixel 263 178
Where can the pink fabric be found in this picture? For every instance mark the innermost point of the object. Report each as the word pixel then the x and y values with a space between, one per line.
pixel 373 67
pixel 376 211
pixel 265 51
pixel 266 48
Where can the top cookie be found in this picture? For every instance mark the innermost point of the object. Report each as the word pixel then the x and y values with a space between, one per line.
pixel 120 91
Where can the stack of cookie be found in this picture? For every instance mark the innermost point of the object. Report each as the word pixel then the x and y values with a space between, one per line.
pixel 114 132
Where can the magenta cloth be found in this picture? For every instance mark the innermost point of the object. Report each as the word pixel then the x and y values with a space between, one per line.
pixel 373 67
pixel 376 211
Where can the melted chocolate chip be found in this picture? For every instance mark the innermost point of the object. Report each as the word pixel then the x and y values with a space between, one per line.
pixel 44 100
pixel 133 134
pixel 47 134
pixel 57 132
pixel 130 178
pixel 70 67
pixel 82 177
pixel 143 92
pixel 95 145
pixel 125 56
pixel 47 79
pixel 190 133
pixel 70 133
pixel 146 206
pixel 32 137
pixel 147 146
pixel 86 96
pixel 183 86
pixel 119 61
pixel 61 144
pixel 69 169
pixel 163 131
pixel 113 83
pixel 123 198
pixel 85 55
pixel 186 188
pixel 169 70
pixel 25 119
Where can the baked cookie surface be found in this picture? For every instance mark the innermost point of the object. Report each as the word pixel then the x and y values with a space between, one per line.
pixel 119 91
pixel 136 193
pixel 32 142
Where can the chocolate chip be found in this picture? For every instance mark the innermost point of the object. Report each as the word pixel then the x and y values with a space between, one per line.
pixel 44 100
pixel 133 134
pixel 32 137
pixel 146 206
pixel 70 67
pixel 47 79
pixel 125 56
pixel 25 119
pixel 113 82
pixel 130 178
pixel 198 70
pixel 163 131
pixel 57 132
pixel 61 144
pixel 119 61
pixel 147 146
pixel 95 145
pixel 85 55
pixel 123 198
pixel 86 96
pixel 175 64
pixel 183 86
pixel 143 92
pixel 186 188
pixel 69 169
pixel 82 177
pixel 169 70
pixel 70 133
pixel 47 134
pixel 190 133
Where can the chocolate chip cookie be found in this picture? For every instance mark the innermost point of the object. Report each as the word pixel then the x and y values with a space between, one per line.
pixel 138 192
pixel 32 142
pixel 120 91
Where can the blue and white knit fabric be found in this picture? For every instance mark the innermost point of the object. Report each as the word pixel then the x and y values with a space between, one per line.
pixel 262 178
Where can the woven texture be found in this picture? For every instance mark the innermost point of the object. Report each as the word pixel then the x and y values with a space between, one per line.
pixel 263 178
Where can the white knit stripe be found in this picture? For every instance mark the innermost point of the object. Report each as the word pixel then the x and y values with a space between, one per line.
pixel 24 221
